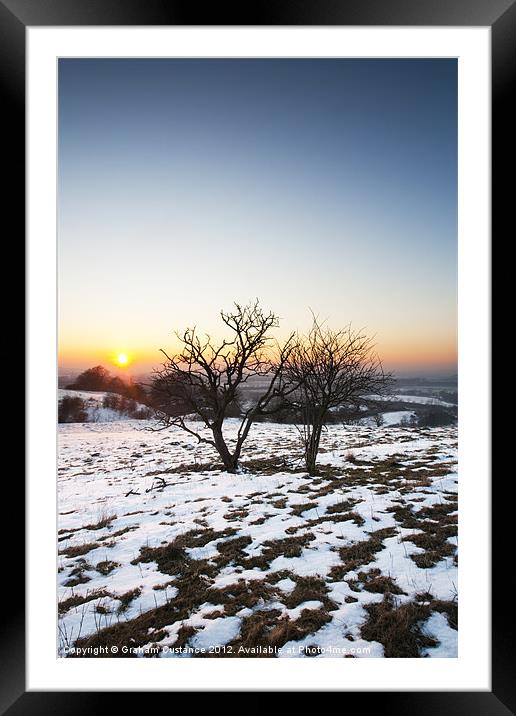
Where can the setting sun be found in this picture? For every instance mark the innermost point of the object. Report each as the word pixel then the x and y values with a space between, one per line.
pixel 122 359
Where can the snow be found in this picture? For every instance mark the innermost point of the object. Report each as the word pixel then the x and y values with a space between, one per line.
pixel 402 398
pixel 108 470
pixel 393 417
pixel 217 633
pixel 93 396
pixel 94 405
pixel 438 628
pixel 286 585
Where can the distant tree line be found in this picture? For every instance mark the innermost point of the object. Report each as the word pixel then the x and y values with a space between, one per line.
pixel 72 410
pixel 434 416
pixel 99 379
pixel 127 406
pixel 126 397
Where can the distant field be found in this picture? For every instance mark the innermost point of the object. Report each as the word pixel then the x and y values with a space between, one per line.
pixel 93 403
pixel 90 395
pixel 402 398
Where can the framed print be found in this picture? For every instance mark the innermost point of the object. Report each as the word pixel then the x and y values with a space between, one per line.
pixel 258 376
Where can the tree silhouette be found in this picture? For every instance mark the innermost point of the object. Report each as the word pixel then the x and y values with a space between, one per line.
pixel 331 369
pixel 92 379
pixel 204 378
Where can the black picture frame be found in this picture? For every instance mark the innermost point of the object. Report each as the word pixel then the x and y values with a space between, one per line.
pixel 500 15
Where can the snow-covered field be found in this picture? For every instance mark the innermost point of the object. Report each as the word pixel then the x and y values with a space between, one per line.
pixel 93 403
pixel 163 554
pixel 402 398
pixel 394 417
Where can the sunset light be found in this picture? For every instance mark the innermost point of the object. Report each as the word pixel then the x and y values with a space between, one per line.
pixel 351 238
pixel 257 285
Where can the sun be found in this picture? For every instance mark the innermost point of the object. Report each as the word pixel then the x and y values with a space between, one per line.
pixel 122 359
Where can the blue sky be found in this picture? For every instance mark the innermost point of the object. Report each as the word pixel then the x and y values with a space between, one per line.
pixel 187 184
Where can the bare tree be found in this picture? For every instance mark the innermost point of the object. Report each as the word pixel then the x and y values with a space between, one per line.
pixel 379 420
pixel 204 378
pixel 331 369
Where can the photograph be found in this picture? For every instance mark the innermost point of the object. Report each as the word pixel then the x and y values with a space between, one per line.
pixel 257 404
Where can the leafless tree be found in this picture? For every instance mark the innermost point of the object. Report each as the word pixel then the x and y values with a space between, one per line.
pixel 379 420
pixel 204 378
pixel 331 369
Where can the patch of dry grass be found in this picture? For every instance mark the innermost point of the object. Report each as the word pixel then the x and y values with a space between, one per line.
pixel 79 549
pixel 106 567
pixel 286 547
pixel 398 628
pixel 298 509
pixel 308 589
pixel 77 600
pixel 360 553
pixel 104 521
pixel 376 582
pixel 434 525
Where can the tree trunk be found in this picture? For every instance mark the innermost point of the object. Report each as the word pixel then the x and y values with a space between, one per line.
pixel 230 461
pixel 312 448
pixel 310 464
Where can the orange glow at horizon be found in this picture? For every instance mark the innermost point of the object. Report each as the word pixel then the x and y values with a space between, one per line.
pixel 167 215
pixel 410 354
pixel 418 353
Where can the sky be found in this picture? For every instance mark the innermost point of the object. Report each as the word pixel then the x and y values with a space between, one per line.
pixel 312 184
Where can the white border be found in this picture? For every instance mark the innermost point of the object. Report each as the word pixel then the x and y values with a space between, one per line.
pixel 471 670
